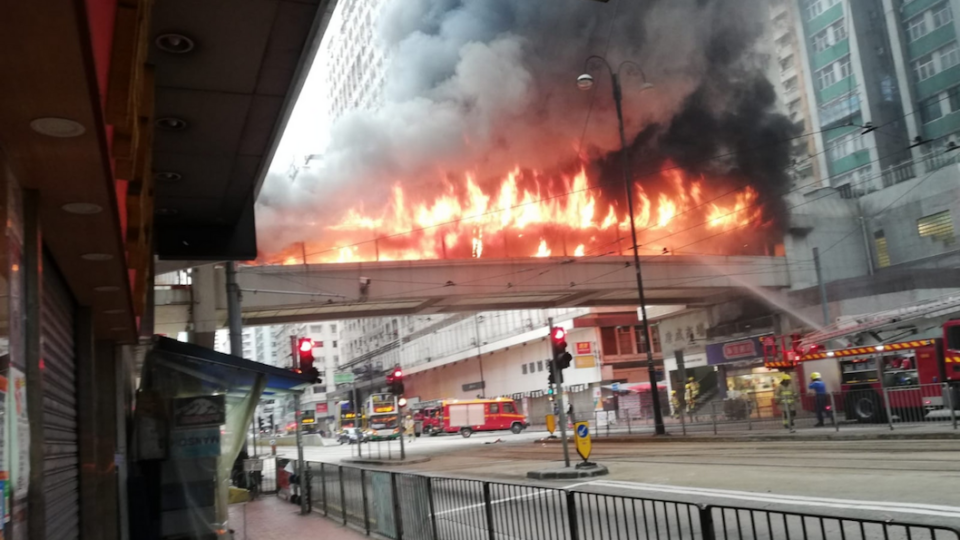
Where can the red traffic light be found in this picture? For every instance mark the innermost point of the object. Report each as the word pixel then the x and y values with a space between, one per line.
pixel 306 345
pixel 559 334
pixel 397 373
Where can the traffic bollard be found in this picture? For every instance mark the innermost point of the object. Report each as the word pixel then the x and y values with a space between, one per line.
pixel 833 413
pixel 683 422
pixel 713 416
pixel 948 399
pixel 886 403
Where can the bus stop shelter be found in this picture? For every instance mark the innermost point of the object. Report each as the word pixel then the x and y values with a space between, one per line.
pixel 193 410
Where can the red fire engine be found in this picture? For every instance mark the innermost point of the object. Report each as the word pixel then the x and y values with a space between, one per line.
pixel 911 373
pixel 467 416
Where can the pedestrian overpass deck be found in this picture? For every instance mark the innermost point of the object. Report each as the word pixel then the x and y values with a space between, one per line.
pixel 300 293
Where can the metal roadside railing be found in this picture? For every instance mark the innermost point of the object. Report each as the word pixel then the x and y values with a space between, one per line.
pixel 904 405
pixel 406 506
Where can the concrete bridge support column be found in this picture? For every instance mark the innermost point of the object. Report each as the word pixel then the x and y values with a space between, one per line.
pixel 204 306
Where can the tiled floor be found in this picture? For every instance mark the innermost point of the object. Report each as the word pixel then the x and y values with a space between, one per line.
pixel 271 518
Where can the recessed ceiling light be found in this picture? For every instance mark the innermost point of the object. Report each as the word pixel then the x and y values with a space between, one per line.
pixel 114 311
pixel 169 123
pixel 107 288
pixel 174 43
pixel 82 208
pixel 57 127
pixel 96 256
pixel 166 211
pixel 167 176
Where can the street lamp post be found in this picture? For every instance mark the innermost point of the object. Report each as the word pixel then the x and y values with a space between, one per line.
pixel 585 82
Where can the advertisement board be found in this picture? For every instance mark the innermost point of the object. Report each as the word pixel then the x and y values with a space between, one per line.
pixel 199 411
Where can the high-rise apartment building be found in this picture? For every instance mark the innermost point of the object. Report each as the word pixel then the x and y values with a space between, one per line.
pixel 881 79
pixel 356 59
pixel 789 77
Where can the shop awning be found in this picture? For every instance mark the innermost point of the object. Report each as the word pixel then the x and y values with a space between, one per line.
pixel 231 371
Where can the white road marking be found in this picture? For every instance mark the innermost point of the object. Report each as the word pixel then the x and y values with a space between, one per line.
pixel 794 500
pixel 542 491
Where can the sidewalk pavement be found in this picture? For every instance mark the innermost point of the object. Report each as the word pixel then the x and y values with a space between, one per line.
pixel 271 518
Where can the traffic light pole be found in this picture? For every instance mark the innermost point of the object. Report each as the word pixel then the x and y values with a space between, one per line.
pixel 559 392
pixel 403 427
pixel 253 431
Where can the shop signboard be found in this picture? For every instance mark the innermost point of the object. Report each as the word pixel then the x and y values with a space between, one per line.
pixel 583 347
pixel 322 408
pixel 735 351
pixel 581 362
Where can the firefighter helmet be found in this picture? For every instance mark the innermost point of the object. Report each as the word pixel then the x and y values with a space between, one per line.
pixel 787 377
pixel 815 375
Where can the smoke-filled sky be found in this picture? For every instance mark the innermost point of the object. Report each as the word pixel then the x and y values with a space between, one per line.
pixel 484 86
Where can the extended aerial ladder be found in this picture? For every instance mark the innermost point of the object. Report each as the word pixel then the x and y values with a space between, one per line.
pixel 905 318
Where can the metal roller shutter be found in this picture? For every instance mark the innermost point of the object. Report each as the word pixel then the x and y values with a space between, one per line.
pixel 61 471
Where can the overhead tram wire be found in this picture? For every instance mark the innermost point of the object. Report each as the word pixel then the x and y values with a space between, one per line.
pixel 884 209
pixel 437 286
pixel 865 180
pixel 652 257
pixel 867 127
pixel 647 259
pixel 653 173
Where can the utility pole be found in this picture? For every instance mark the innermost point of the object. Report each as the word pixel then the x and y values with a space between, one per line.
pixel 823 287
pixel 356 420
pixel 301 464
pixel 403 427
pixel 559 395
pixel 585 82
pixel 476 328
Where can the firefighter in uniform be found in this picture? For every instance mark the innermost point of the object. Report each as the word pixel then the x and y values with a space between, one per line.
pixel 786 397
pixel 820 395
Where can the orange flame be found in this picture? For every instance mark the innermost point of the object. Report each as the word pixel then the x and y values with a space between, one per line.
pixel 542 250
pixel 564 214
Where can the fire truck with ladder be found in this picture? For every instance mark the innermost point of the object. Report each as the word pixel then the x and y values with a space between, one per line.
pixel 876 370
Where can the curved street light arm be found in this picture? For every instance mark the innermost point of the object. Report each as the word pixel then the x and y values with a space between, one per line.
pixel 633 69
pixel 586 63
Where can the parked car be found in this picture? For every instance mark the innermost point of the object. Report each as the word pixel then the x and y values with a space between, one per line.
pixel 352 435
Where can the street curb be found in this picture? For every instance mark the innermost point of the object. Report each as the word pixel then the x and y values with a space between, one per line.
pixel 384 462
pixel 766 438
pixel 568 473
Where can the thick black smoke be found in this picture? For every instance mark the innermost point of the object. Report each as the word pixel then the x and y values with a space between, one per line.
pixel 484 86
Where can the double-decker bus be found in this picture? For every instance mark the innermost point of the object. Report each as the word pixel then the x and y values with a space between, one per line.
pixel 347 417
pixel 383 417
